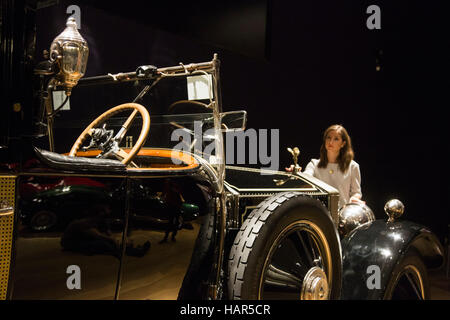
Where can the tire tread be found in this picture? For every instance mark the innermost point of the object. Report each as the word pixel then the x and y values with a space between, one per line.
pixel 250 230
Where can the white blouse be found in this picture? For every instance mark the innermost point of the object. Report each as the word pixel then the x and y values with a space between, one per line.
pixel 348 184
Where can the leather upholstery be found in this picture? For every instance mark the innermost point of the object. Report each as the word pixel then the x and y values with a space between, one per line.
pixel 58 161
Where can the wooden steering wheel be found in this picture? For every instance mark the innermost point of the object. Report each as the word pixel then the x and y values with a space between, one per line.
pixel 119 153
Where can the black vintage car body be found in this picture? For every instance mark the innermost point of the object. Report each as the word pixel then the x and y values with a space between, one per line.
pixel 244 233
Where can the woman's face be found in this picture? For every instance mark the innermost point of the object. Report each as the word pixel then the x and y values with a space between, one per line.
pixel 334 142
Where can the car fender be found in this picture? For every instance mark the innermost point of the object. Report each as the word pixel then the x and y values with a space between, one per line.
pixel 374 249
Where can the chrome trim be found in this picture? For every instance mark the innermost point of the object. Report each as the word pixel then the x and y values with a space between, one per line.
pixel 315 285
pixel 277 190
pixel 318 183
pixel 394 209
pixel 262 194
pixel 233 216
pixel 333 208
pixel 354 215
pixel 259 170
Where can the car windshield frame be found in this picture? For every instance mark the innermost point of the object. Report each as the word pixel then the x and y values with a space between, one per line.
pixel 151 80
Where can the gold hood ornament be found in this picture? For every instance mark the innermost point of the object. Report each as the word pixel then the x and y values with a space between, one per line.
pixel 294 168
pixel 295 153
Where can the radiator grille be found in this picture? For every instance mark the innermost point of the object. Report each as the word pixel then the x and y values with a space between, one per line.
pixel 7 196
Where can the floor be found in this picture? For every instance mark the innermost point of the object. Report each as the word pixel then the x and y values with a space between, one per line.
pixel 165 286
pixel 439 285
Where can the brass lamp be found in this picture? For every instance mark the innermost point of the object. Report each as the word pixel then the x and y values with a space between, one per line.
pixel 69 51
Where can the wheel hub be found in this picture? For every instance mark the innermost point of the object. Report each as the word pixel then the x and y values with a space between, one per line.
pixel 315 285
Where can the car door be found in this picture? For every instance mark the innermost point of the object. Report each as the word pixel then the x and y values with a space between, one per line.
pixel 165 225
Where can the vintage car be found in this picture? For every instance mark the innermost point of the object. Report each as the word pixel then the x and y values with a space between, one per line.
pixel 244 233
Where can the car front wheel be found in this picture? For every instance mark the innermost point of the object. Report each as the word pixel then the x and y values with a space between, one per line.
pixel 288 248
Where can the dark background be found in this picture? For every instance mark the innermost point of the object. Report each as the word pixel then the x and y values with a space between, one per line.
pixel 300 67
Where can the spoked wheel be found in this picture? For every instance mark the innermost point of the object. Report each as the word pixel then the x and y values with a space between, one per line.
pixel 288 248
pixel 409 281
pixel 296 264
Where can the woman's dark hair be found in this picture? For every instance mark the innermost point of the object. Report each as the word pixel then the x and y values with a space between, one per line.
pixel 346 153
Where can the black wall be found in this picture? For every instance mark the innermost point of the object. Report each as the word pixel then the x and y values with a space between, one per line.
pixel 300 67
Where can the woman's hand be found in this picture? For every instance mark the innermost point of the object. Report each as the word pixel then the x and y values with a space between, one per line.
pixel 357 199
pixel 290 169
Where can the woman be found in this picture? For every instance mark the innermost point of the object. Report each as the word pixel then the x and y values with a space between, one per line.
pixel 336 166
